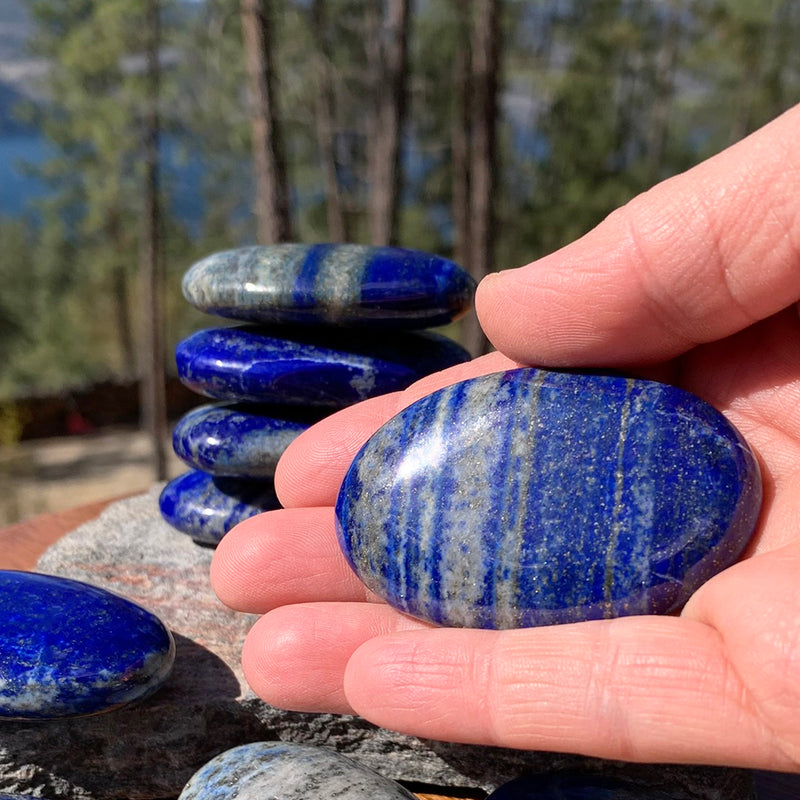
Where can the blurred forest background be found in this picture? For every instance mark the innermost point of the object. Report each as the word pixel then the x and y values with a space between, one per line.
pixel 139 135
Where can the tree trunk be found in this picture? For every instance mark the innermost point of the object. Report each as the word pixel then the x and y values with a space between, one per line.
pixel 325 119
pixel 271 183
pixel 121 294
pixel 485 44
pixel 460 138
pixel 153 389
pixel 663 94
pixel 387 43
pixel 122 300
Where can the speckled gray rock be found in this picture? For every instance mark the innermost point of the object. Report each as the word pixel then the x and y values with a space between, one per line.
pixel 290 771
pixel 150 751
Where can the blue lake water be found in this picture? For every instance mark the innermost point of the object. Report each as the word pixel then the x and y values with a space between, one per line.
pixel 19 189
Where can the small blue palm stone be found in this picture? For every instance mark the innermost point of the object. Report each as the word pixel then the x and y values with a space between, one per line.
pixel 70 649
pixel 265 770
pixel 7 796
pixel 531 498
pixel 322 368
pixel 242 440
pixel 330 284
pixel 206 507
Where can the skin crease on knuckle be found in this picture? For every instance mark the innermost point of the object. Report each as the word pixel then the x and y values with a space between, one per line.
pixel 601 700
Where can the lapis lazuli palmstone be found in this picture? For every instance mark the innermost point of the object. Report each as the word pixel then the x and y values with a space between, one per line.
pixel 325 368
pixel 7 796
pixel 237 439
pixel 577 786
pixel 531 498
pixel 71 649
pixel 206 507
pixel 290 771
pixel 339 284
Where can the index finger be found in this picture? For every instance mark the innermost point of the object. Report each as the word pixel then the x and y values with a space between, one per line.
pixel 695 259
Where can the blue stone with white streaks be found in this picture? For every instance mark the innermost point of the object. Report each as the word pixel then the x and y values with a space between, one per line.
pixel 242 440
pixel 289 771
pixel 7 796
pixel 323 368
pixel 206 507
pixel 71 649
pixel 532 497
pixel 332 284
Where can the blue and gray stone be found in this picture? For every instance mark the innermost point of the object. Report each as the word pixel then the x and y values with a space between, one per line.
pixel 6 796
pixel 70 649
pixel 332 284
pixel 206 507
pixel 288 771
pixel 583 786
pixel 242 440
pixel 322 368
pixel 531 497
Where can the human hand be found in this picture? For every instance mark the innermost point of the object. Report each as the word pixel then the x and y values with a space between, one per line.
pixel 696 283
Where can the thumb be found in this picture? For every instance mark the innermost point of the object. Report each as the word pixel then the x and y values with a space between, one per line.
pixel 695 259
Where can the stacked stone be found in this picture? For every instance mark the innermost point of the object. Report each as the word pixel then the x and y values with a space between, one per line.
pixel 325 326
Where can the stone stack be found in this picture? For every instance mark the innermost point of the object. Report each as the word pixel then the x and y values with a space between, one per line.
pixel 325 326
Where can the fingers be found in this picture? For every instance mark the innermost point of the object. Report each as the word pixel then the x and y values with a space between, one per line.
pixel 313 466
pixel 637 688
pixel 310 469
pixel 695 259
pixel 283 557
pixel 295 657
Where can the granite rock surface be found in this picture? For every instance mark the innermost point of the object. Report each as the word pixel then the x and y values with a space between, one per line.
pixel 331 284
pixel 532 497
pixel 150 751
pixel 578 786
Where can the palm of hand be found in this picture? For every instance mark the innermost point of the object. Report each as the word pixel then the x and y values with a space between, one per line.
pixel 754 377
pixel 724 671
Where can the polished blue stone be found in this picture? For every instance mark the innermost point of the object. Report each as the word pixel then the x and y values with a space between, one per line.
pixel 289 771
pixel 207 507
pixel 580 786
pixel 325 368
pixel 532 497
pixel 7 796
pixel 70 649
pixel 334 284
pixel 238 439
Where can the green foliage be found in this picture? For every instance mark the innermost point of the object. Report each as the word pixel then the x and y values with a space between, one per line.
pixel 51 345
